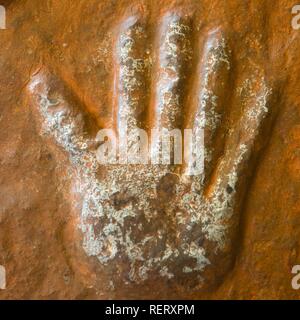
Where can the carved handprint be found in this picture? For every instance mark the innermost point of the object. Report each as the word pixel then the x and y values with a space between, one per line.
pixel 158 219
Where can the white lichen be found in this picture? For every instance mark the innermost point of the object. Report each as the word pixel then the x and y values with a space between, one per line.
pixel 111 231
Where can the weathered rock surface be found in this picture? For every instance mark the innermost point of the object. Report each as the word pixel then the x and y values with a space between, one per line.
pixel 68 69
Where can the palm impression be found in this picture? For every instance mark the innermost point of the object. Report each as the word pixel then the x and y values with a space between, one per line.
pixel 156 220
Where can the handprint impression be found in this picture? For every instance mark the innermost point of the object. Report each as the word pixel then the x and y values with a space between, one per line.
pixel 154 220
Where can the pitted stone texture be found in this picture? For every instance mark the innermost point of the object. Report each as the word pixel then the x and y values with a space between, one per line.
pixel 40 243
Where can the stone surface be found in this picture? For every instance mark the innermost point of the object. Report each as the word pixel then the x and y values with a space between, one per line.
pixel 97 58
